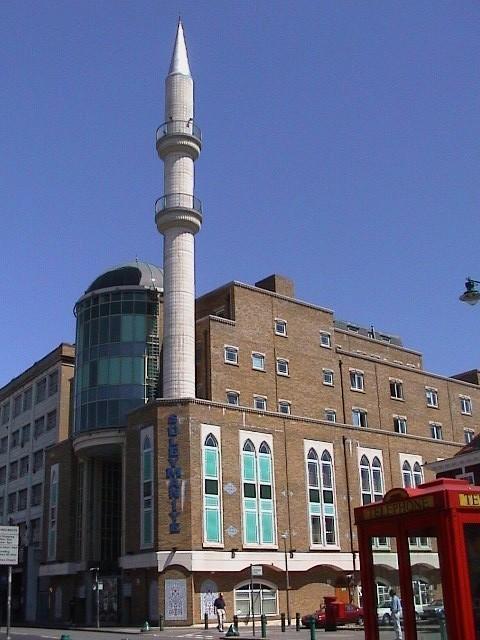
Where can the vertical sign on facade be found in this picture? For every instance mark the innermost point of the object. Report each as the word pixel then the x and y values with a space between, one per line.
pixel 173 473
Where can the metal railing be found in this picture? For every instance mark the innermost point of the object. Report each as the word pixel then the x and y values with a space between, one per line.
pixel 171 200
pixel 187 127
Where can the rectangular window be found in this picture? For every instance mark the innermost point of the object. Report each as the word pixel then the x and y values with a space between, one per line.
pixel 282 367
pixel 27 399
pixel 38 460
pixel 230 355
pixel 40 390
pixel 51 420
pixel 431 396
pixel 328 377
pixel 52 512
pixel 24 466
pixel 15 439
pixel 53 383
pixel 325 339
pixel 400 424
pixel 25 438
pixel 396 389
pixel 359 418
pixel 258 361
pixel 17 406
pixel 12 503
pixel 260 402
pixel 4 444
pixel 13 471
pixel 22 499
pixel 284 407
pixel 39 427
pixel 436 431
pixel 36 495
pixel 3 476
pixel 468 435
pixel 466 405
pixel 35 531
pixel 233 398
pixel 330 415
pixel 280 327
pixel 356 380
pixel 6 413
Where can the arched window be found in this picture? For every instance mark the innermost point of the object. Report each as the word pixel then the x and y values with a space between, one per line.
pixel 407 475
pixel 212 529
pixel 417 474
pixel 321 500
pixel 371 483
pixel 147 489
pixel 257 487
pixel 264 598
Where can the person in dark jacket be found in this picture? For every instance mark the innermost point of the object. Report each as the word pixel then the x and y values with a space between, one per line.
pixel 219 608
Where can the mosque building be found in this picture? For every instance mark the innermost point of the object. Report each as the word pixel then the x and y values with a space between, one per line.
pixel 234 430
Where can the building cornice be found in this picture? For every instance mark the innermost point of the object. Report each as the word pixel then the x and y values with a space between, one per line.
pixel 64 353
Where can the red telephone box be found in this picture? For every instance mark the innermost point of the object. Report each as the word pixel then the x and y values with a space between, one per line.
pixel 446 513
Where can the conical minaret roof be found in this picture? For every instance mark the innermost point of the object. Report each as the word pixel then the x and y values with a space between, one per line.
pixel 179 62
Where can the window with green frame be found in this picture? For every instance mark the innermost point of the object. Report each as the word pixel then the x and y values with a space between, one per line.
pixel 321 498
pixel 147 491
pixel 212 530
pixel 257 486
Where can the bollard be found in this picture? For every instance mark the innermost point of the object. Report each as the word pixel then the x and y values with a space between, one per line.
pixel 263 625
pixel 282 618
pixel 443 630
pixel 205 620
pixel 297 621
pixel 312 628
pixel 235 622
pixel 160 622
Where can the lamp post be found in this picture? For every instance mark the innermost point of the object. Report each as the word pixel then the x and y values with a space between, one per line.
pixel 471 295
pixel 97 595
pixel 287 577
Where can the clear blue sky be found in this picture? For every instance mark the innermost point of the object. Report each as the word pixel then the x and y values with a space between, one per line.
pixel 341 148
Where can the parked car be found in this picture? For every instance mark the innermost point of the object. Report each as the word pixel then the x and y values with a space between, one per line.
pixel 353 615
pixel 384 614
pixel 433 611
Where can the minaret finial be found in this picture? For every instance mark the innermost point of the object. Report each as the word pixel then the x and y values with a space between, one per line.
pixel 179 63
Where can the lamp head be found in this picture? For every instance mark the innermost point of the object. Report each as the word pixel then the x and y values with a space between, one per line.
pixel 471 294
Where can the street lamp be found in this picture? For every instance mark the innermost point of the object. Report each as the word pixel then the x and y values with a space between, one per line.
pixel 287 577
pixel 97 594
pixel 471 295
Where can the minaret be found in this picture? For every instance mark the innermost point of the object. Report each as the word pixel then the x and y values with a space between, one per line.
pixel 178 214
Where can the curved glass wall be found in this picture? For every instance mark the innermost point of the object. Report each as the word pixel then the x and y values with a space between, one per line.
pixel 117 355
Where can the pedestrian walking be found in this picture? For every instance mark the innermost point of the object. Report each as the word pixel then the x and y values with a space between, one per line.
pixel 396 610
pixel 219 608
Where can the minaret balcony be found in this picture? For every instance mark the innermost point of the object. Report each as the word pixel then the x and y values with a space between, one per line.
pixel 178 210
pixel 179 135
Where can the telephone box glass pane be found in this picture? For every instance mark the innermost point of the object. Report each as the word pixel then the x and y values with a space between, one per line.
pixel 472 545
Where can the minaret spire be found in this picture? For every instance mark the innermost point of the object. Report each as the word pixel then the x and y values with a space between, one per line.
pixel 178 215
pixel 179 62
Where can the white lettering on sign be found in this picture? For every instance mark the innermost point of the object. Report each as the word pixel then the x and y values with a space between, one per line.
pixel 8 545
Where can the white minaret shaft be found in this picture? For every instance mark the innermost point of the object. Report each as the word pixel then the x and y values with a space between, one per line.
pixel 178 217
